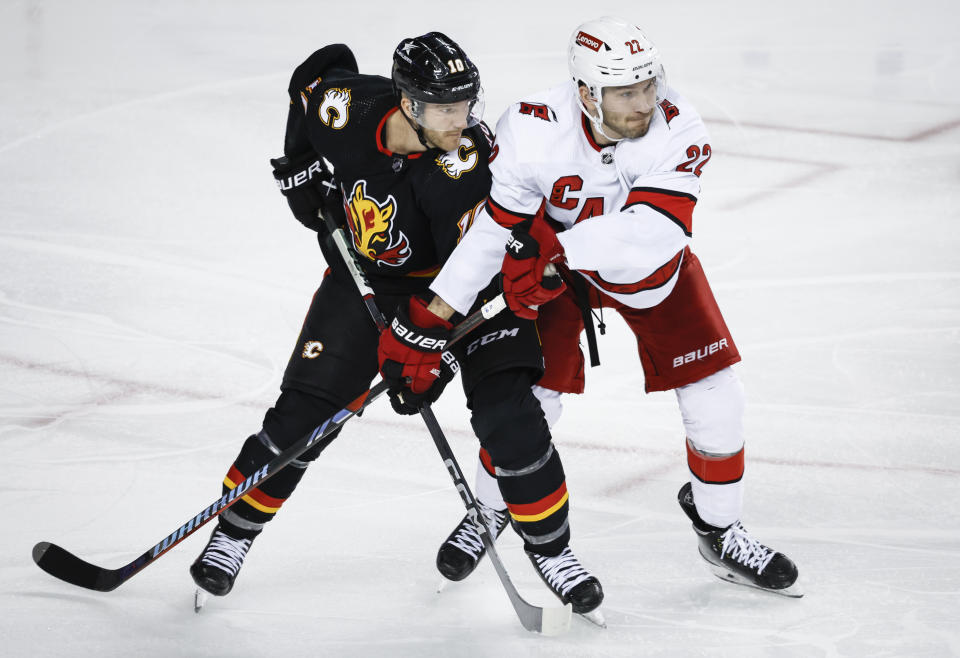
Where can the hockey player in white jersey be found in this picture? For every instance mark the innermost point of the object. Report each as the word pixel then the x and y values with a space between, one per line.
pixel 600 176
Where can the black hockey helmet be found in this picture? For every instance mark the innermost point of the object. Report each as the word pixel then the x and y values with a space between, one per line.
pixel 432 68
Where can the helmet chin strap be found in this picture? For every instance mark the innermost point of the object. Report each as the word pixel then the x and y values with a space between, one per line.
pixel 417 128
pixel 597 121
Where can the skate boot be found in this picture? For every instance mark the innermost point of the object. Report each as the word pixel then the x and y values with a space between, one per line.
pixel 217 566
pixel 572 584
pixel 461 552
pixel 733 555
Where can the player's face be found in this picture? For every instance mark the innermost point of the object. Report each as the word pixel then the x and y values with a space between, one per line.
pixel 444 124
pixel 627 111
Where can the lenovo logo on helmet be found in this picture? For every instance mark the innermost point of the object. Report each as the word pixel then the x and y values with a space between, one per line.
pixel 591 42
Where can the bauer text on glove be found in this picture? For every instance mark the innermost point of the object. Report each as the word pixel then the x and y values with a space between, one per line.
pixel 532 247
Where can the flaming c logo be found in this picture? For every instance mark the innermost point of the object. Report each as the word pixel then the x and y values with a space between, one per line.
pixel 459 161
pixel 371 224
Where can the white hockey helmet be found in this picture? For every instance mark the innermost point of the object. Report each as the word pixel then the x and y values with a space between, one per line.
pixel 610 52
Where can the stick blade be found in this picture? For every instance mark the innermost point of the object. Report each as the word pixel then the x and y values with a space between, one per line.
pixel 555 621
pixel 66 566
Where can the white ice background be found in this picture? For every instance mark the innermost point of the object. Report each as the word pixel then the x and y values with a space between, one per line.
pixel 152 284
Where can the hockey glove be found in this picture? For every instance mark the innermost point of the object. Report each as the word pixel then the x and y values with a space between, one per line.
pixel 532 246
pixel 412 357
pixel 309 188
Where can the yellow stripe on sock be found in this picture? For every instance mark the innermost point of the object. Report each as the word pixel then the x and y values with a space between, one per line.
pixel 542 515
pixel 250 501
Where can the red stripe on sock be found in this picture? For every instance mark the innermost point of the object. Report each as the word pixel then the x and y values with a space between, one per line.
pixel 714 470
pixel 237 477
pixel 540 506
pixel 487 462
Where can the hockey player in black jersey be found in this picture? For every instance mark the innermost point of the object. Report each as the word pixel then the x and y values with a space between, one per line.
pixel 402 164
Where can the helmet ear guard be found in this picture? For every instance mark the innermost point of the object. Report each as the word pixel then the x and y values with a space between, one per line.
pixel 610 52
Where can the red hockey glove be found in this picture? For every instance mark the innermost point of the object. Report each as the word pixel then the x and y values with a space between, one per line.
pixel 412 357
pixel 532 246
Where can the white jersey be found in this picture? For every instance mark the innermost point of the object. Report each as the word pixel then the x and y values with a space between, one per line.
pixel 625 210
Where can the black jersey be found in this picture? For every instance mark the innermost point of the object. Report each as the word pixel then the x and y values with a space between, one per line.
pixel 406 213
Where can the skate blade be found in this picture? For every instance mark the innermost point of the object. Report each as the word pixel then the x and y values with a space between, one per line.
pixel 200 598
pixel 795 591
pixel 595 617
pixel 442 585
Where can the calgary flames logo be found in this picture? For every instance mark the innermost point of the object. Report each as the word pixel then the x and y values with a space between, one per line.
pixel 459 161
pixel 371 224
pixel 335 108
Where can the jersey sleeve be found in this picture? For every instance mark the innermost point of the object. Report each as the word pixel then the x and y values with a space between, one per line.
pixel 304 81
pixel 648 231
pixel 514 194
pixel 479 256
pixel 475 261
pixel 656 220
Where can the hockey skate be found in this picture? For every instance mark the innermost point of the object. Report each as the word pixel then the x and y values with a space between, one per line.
pixel 733 555
pixel 572 584
pixel 216 568
pixel 462 551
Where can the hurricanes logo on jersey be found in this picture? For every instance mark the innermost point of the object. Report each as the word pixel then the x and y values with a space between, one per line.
pixel 335 108
pixel 371 224
pixel 459 161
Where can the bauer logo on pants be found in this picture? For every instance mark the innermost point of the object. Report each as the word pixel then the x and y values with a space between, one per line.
pixel 701 353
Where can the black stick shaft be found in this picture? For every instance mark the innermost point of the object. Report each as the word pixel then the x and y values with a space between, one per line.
pixel 66 566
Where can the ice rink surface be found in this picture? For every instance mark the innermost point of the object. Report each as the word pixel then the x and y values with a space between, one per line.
pixel 152 284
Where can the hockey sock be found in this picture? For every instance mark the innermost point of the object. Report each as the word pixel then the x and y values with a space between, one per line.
pixel 510 424
pixel 294 414
pixel 536 496
pixel 245 520
pixel 486 488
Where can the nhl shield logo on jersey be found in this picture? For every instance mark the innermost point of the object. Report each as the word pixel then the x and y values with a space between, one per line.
pixel 371 224
pixel 459 161
pixel 335 108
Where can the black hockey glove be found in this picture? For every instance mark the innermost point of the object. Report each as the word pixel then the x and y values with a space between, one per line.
pixel 309 187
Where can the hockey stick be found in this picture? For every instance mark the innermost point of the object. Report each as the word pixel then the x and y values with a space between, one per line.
pixel 61 563
pixel 366 292
pixel 547 621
